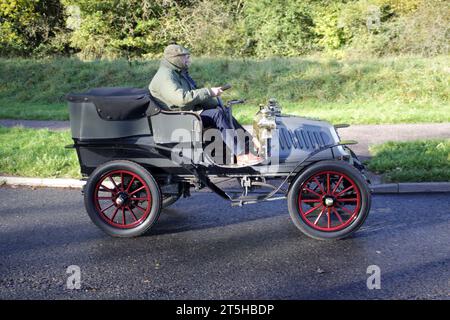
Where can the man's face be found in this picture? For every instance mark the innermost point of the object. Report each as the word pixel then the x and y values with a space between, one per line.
pixel 186 60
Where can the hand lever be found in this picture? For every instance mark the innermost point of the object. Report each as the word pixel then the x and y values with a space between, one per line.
pixel 225 87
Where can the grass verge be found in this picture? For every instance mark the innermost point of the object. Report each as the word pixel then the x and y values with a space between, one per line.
pixel 37 153
pixel 415 161
pixel 371 91
pixel 33 111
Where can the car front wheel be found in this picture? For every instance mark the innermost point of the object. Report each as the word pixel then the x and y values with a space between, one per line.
pixel 329 200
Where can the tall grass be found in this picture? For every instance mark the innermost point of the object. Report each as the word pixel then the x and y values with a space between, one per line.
pixel 383 90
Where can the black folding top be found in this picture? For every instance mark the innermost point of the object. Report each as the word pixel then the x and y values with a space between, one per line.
pixel 118 103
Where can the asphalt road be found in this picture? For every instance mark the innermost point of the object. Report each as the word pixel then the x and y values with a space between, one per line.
pixel 204 249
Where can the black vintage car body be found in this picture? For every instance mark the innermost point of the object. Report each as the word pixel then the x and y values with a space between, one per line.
pixel 136 165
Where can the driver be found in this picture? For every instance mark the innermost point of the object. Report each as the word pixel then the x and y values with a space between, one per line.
pixel 173 88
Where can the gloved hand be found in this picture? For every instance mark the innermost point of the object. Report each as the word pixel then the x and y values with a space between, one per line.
pixel 217 91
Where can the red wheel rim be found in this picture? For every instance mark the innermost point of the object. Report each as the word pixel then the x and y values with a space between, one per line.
pixel 329 201
pixel 122 199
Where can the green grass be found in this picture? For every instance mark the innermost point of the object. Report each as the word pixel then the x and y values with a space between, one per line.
pixel 416 161
pixel 371 91
pixel 37 153
pixel 34 111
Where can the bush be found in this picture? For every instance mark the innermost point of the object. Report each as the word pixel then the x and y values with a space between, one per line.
pixel 279 27
pixel 386 27
pixel 331 34
pixel 426 31
pixel 211 27
pixel 28 26
pixel 251 28
pixel 110 29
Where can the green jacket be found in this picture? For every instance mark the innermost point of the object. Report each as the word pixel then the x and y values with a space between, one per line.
pixel 173 91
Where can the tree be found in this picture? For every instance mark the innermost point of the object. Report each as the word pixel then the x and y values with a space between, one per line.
pixel 27 25
pixel 279 27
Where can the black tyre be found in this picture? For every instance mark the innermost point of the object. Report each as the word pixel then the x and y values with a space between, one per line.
pixel 329 200
pixel 122 198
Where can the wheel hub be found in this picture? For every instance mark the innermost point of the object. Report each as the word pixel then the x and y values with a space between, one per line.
pixel 121 199
pixel 328 201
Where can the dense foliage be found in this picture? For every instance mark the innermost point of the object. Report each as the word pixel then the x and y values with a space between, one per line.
pixel 258 28
pixel 32 27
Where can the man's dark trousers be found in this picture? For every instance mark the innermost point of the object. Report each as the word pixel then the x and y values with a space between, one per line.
pixel 220 118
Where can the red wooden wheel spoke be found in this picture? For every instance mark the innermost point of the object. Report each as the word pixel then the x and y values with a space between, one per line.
pixel 337 185
pixel 329 217
pixel 346 199
pixel 328 183
pixel 344 191
pixel 139 189
pixel 338 216
pixel 114 214
pixel 319 216
pixel 346 210
pixel 311 200
pixel 140 208
pixel 313 209
pixel 114 183
pixel 130 184
pixel 106 189
pixel 121 181
pixel 313 192
pixel 319 184
pixel 132 214
pixel 123 216
pixel 107 207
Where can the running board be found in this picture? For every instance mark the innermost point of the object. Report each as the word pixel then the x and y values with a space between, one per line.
pixel 236 166
pixel 341 125
pixel 240 201
pixel 348 142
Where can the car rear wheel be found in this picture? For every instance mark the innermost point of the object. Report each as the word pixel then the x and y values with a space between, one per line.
pixel 122 199
pixel 329 200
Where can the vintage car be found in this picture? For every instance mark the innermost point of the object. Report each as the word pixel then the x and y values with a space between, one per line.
pixel 139 158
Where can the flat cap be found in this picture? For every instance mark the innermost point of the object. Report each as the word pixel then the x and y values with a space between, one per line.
pixel 175 50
